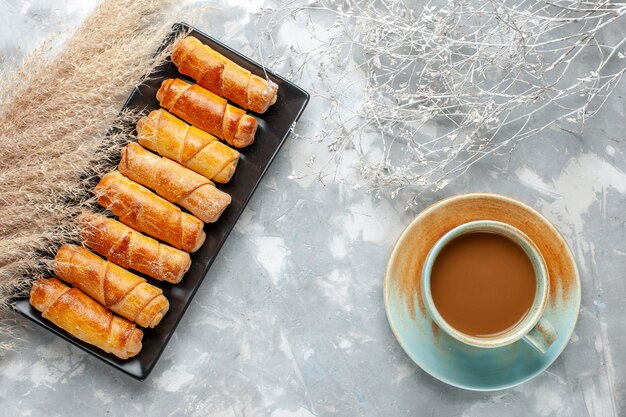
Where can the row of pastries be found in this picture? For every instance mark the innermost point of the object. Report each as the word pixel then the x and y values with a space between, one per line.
pixel 162 194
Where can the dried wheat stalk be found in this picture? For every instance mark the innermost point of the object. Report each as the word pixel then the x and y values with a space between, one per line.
pixel 54 113
pixel 422 95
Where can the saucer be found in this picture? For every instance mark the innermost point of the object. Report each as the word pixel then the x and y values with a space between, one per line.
pixel 433 350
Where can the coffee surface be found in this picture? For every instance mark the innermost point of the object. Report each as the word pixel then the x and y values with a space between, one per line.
pixel 482 284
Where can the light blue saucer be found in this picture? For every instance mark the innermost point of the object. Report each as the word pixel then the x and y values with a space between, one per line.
pixel 440 355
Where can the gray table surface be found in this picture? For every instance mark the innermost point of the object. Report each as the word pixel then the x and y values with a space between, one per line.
pixel 291 321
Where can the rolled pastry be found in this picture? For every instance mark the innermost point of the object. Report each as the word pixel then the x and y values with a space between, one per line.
pixel 166 134
pixel 222 76
pixel 146 212
pixel 84 318
pixel 121 291
pixel 174 182
pixel 130 249
pixel 207 111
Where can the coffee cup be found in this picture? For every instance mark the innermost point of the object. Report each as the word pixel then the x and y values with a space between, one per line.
pixel 531 327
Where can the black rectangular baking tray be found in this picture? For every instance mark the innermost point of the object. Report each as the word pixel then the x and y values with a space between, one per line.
pixel 274 128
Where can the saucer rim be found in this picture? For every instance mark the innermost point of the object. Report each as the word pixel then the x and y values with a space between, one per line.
pixel 392 254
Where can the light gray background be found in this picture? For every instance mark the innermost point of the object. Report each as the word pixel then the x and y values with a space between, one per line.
pixel 291 321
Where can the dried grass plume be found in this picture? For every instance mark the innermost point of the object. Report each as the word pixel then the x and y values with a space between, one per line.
pixel 54 114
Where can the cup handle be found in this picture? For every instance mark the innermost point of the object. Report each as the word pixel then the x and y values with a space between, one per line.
pixel 541 336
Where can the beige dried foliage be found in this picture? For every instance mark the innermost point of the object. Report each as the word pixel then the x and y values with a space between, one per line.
pixel 54 114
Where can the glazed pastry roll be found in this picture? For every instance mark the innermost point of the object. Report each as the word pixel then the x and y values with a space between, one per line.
pixel 84 318
pixel 174 182
pixel 146 212
pixel 169 136
pixel 207 111
pixel 121 291
pixel 222 76
pixel 130 249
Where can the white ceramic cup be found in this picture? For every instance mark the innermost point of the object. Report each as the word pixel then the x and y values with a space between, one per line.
pixel 533 329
